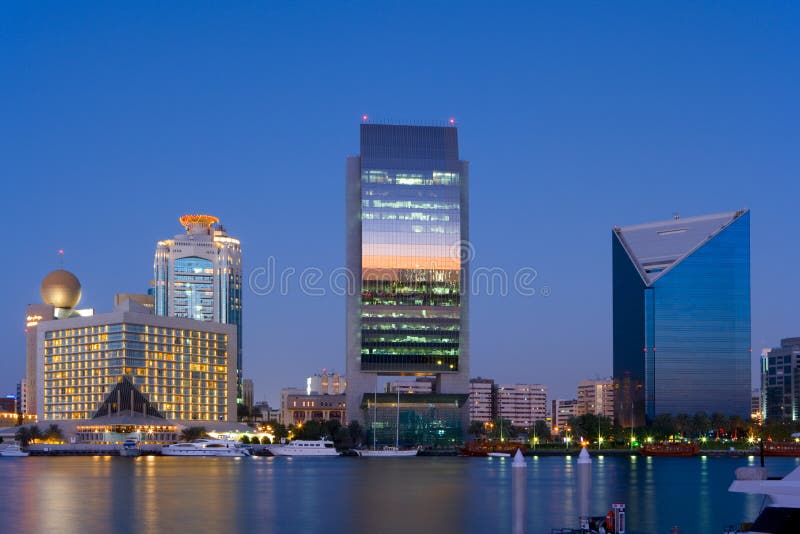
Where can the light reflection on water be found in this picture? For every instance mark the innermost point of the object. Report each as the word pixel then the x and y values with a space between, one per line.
pixel 351 495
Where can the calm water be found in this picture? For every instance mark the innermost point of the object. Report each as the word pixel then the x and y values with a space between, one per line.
pixel 353 495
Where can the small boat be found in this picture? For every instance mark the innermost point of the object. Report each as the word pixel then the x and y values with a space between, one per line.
pixel 12 450
pixel 387 452
pixel 205 447
pixel 498 455
pixel 670 449
pixel 781 509
pixel 130 448
pixel 778 448
pixel 300 447
pixel 485 447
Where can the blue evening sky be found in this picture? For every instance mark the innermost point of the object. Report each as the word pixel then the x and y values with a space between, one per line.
pixel 117 118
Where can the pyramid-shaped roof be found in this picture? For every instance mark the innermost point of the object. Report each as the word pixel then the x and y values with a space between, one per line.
pixel 125 399
pixel 655 248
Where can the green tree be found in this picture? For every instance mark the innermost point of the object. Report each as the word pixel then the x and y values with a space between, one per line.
pixel 476 428
pixel 23 435
pixel 330 428
pixel 736 426
pixel 279 431
pixel 663 426
pixel 541 431
pixel 53 433
pixel 356 433
pixel 193 432
pixel 265 440
pixel 245 440
pixel 683 424
pixel 342 438
pixel 719 422
pixel 36 434
pixel 309 430
pixel 700 424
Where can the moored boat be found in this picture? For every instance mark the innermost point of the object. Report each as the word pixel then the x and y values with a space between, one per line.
pixel 305 448
pixel 12 450
pixel 205 447
pixel 130 448
pixel 670 449
pixel 778 448
pixel 781 503
pixel 484 447
pixel 388 452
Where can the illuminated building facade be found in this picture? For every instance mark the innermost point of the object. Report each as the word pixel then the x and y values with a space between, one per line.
pixel 406 224
pixel 198 275
pixel 780 381
pixel 61 293
pixel 596 397
pixel 681 331
pixel 522 404
pixel 561 412
pixel 481 399
pixel 300 408
pixel 185 368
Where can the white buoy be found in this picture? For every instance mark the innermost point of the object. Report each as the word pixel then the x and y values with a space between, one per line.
pixel 584 487
pixel 519 485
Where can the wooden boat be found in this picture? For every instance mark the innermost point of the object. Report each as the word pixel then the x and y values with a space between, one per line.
pixel 484 447
pixel 670 449
pixel 781 448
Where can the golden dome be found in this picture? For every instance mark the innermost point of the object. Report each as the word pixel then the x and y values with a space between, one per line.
pixel 61 289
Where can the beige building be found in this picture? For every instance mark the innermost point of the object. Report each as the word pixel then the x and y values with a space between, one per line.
pixel 61 293
pixel 185 368
pixel 561 412
pixel 596 397
pixel 297 408
pixel 481 399
pixel 325 383
pixel 522 404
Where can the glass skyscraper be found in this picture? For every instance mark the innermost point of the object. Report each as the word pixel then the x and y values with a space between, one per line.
pixel 198 275
pixel 407 207
pixel 682 317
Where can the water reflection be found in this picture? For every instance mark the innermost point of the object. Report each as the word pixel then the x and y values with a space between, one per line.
pixel 347 495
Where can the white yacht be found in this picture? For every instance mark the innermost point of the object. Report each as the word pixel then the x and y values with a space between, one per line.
pixel 12 449
pixel 300 447
pixel 205 447
pixel 387 452
pixel 781 511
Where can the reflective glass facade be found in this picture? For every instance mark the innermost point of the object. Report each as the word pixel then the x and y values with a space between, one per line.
pixel 682 319
pixel 407 223
pixel 184 373
pixel 193 285
pixel 780 381
pixel 424 419
pixel 198 275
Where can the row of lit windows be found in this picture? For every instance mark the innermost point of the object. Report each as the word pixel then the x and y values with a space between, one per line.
pixel 144 329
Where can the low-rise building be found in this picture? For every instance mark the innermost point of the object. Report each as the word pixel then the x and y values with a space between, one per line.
pixel 481 399
pixel 300 408
pixel 596 397
pixel 562 410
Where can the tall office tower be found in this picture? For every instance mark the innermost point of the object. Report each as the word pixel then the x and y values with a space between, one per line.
pixel 682 317
pixel 780 381
pixel 406 226
pixel 186 369
pixel 198 275
pixel 481 399
pixel 596 397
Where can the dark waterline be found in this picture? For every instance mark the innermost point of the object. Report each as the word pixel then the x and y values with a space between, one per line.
pixel 351 495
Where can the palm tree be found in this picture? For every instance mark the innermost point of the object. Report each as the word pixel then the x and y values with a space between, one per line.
pixel 192 433
pixel 35 433
pixel 23 435
pixel 53 433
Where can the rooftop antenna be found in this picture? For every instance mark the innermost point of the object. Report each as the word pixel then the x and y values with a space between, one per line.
pixel 676 215
pixel 61 258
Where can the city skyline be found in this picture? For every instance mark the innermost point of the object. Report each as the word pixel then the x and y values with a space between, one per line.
pixel 560 151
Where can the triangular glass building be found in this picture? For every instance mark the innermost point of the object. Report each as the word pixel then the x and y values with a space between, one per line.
pixel 682 317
